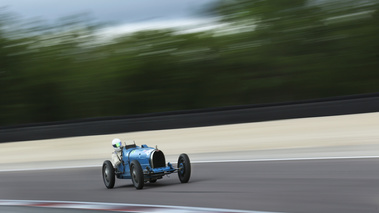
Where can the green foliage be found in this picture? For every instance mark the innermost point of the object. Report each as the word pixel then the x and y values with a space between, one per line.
pixel 287 50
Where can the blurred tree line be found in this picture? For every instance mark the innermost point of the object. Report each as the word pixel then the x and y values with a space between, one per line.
pixel 267 51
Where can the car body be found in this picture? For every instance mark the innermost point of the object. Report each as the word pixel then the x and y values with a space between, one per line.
pixel 144 164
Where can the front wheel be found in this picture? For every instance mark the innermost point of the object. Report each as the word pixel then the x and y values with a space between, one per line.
pixel 184 168
pixel 137 174
pixel 108 174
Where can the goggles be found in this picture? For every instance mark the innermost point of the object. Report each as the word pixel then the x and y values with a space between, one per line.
pixel 117 145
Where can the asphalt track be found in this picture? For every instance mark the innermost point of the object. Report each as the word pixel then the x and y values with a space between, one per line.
pixel 338 185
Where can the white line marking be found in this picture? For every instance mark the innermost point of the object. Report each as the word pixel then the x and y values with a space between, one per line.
pixel 210 161
pixel 49 168
pixel 289 159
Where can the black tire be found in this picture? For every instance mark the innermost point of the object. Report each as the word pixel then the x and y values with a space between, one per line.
pixel 108 174
pixel 184 168
pixel 137 174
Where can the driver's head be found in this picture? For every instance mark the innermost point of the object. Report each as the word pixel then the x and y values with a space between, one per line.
pixel 116 143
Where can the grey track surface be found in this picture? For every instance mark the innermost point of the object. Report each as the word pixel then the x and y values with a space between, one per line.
pixel 282 186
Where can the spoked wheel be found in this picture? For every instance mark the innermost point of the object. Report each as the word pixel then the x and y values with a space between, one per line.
pixel 137 174
pixel 184 168
pixel 108 174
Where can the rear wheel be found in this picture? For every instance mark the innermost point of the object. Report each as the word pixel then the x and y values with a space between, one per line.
pixel 184 168
pixel 137 174
pixel 108 174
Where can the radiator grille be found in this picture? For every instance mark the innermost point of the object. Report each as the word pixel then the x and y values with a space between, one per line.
pixel 158 159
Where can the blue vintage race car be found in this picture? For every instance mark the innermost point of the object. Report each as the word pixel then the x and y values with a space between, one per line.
pixel 143 164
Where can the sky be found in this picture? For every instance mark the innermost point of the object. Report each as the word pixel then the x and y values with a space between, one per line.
pixel 113 11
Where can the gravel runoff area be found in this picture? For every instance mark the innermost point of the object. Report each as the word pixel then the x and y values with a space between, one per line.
pixel 292 136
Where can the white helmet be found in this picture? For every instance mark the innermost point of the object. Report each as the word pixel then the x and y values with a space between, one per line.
pixel 116 143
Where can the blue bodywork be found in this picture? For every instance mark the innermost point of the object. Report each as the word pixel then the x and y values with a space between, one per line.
pixel 146 156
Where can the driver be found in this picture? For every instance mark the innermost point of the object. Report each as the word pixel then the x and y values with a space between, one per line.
pixel 116 155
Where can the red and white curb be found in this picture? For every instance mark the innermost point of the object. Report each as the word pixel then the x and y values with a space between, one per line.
pixel 117 207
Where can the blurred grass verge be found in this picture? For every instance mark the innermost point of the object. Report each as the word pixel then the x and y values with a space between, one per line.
pixel 334 136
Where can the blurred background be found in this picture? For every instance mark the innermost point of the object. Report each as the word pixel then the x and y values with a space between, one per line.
pixel 64 61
